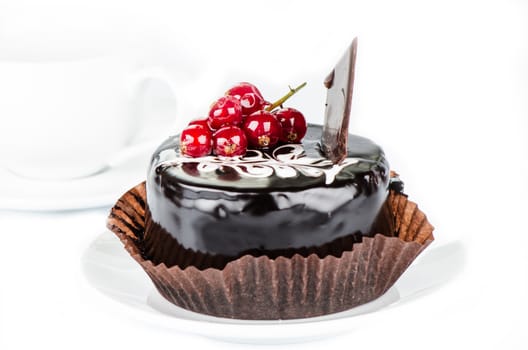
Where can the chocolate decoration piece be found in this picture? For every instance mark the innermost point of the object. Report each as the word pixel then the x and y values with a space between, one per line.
pixel 338 105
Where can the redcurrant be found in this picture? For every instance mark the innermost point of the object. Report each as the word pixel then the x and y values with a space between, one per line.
pixel 225 111
pixel 250 97
pixel 262 128
pixel 293 125
pixel 195 141
pixel 229 141
pixel 202 122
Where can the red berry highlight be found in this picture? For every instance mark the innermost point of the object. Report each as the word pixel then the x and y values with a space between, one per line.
pixel 293 125
pixel 229 141
pixel 201 122
pixel 227 110
pixel 250 97
pixel 262 129
pixel 195 141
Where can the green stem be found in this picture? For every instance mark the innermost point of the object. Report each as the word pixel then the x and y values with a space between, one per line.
pixel 283 99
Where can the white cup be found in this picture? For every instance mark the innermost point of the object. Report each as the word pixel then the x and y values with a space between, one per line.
pixel 69 118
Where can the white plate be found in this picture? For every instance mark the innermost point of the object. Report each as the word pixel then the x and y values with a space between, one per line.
pixel 109 268
pixel 99 190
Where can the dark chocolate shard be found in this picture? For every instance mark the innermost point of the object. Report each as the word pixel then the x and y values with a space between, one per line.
pixel 340 84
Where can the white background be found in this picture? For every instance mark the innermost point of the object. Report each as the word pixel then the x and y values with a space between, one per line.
pixel 442 86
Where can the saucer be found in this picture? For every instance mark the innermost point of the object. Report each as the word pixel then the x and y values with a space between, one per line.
pixel 110 269
pixel 99 190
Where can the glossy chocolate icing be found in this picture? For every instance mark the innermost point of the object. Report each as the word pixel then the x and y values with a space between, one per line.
pixel 226 213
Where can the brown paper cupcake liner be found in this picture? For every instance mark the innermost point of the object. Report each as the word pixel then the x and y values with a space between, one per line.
pixel 283 288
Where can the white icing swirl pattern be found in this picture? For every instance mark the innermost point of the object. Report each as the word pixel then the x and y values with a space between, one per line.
pixel 286 161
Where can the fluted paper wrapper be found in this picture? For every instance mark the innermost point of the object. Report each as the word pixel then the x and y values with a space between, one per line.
pixel 283 288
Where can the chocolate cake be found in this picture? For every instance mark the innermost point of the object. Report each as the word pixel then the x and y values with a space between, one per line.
pixel 291 228
pixel 321 195
pixel 265 203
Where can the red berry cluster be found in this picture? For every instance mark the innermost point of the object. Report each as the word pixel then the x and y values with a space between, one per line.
pixel 240 118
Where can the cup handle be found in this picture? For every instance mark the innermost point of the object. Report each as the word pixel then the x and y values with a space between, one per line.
pixel 149 128
pixel 154 124
pixel 188 96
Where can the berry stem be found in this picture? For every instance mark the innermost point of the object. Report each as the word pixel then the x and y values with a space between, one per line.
pixel 283 99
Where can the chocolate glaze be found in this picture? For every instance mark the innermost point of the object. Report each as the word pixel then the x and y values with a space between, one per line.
pixel 161 247
pixel 229 218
